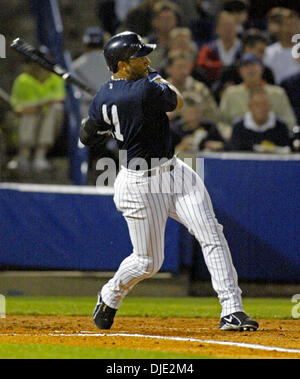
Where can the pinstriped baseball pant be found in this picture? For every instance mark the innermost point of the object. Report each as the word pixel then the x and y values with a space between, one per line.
pixel 146 203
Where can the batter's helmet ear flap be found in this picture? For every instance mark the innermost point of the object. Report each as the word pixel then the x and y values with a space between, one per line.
pixel 114 68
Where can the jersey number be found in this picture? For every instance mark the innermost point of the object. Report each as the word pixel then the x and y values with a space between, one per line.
pixel 115 121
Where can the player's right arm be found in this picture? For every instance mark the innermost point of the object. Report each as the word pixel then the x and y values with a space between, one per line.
pixel 93 129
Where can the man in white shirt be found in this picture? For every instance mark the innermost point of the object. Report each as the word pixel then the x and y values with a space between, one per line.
pixel 278 56
pixel 260 129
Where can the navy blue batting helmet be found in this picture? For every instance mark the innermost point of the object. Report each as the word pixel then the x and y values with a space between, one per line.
pixel 124 46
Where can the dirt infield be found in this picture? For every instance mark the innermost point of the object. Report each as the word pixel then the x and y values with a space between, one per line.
pixel 180 335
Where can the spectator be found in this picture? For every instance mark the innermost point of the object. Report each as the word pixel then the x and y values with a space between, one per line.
pixel 273 20
pixel 192 132
pixel 139 18
pixel 254 42
pixel 235 100
pixel 278 56
pixel 240 10
pixel 179 70
pixel 260 129
pixel 123 7
pixel 166 17
pixel 188 9
pixel 223 51
pixel 292 88
pixel 91 66
pixel 181 40
pixel 199 21
pixel 112 13
pixel 92 69
pixel 37 96
pixel 106 13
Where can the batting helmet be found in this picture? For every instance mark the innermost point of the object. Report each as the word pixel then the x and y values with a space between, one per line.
pixel 124 46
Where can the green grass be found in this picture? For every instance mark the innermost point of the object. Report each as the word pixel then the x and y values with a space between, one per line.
pixel 279 308
pixel 20 351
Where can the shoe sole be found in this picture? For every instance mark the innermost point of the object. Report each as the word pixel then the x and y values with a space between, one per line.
pixel 102 327
pixel 241 328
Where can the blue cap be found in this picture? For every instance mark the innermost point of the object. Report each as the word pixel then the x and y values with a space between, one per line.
pixel 250 58
pixel 93 36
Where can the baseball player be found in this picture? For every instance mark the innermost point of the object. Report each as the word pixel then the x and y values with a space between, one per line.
pixel 153 184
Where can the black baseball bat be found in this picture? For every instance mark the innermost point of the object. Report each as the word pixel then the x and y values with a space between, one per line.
pixel 41 59
pixel 4 95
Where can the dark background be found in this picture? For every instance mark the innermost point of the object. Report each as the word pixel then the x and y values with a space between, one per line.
pixel 259 8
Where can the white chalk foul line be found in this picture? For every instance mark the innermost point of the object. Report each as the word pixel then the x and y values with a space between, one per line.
pixel 185 339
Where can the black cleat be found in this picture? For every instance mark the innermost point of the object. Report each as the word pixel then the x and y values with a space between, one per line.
pixel 103 315
pixel 238 321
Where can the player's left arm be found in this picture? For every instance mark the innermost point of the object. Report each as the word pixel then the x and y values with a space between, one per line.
pixel 90 133
pixel 154 76
pixel 178 94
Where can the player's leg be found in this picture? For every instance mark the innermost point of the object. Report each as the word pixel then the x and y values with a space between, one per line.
pixel 27 133
pixel 146 214
pixel 192 205
pixel 49 125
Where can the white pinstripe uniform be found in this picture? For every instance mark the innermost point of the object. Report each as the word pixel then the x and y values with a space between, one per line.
pixel 146 202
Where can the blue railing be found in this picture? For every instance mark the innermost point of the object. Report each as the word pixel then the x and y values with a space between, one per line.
pixel 49 30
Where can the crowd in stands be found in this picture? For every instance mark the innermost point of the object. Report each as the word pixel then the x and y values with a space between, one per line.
pixel 238 76
pixel 239 79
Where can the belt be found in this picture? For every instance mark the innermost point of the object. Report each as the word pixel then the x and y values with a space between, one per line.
pixel 158 170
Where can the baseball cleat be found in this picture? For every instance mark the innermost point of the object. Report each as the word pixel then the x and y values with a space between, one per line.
pixel 103 315
pixel 238 321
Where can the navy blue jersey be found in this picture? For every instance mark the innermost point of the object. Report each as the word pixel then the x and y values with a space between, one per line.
pixel 135 111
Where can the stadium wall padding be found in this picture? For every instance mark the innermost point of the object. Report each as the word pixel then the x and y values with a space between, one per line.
pixel 68 231
pixel 257 202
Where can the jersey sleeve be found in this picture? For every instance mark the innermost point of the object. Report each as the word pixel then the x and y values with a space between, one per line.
pixel 95 114
pixel 159 96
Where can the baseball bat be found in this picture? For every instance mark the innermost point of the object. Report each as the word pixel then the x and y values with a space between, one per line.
pixel 4 95
pixel 41 59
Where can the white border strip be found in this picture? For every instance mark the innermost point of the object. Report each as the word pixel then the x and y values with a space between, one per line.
pixel 184 339
pixel 46 188
pixel 250 156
